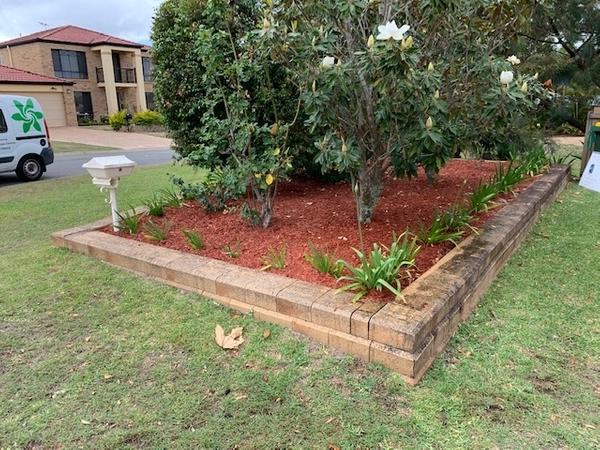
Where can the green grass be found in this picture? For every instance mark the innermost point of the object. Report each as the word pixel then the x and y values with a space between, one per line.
pixel 95 357
pixel 72 147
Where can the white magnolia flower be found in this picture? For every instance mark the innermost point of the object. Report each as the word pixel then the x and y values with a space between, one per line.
pixel 328 61
pixel 429 123
pixel 391 31
pixel 513 60
pixel 507 77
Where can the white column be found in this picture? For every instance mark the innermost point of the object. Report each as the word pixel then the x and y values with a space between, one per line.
pixel 109 80
pixel 139 75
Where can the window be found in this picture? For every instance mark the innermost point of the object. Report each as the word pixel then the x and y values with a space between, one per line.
pixel 148 68
pixel 83 104
pixel 3 126
pixel 150 101
pixel 69 64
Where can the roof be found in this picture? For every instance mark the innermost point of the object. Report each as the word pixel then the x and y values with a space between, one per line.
pixel 10 75
pixel 70 34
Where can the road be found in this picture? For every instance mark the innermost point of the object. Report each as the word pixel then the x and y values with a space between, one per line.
pixel 69 164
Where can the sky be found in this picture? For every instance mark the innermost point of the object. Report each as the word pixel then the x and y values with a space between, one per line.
pixel 128 19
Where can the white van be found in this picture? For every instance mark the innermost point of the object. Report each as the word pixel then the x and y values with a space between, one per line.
pixel 24 138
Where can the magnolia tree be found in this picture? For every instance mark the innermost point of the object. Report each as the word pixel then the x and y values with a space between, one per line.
pixel 373 99
pixel 384 99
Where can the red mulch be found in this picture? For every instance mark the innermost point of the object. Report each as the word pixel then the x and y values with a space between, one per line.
pixel 324 214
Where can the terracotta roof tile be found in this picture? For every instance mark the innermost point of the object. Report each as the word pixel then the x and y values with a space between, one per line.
pixel 18 76
pixel 70 34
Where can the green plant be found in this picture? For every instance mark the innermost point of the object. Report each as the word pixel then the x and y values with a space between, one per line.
pixel 157 231
pixel 448 226
pixel 156 206
pixel 507 176
pixel 194 239
pixel 250 215
pixel 117 120
pixel 148 118
pixel 567 159
pixel 482 196
pixel 275 259
pixel 323 262
pixel 129 221
pixel 233 249
pixel 381 269
pixel 171 198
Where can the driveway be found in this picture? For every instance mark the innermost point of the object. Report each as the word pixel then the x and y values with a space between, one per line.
pixel 122 140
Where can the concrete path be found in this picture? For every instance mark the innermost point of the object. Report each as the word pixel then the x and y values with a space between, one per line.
pixel 569 140
pixel 69 164
pixel 122 140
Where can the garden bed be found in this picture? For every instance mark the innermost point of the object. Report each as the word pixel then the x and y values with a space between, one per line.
pixel 322 214
pixel 404 335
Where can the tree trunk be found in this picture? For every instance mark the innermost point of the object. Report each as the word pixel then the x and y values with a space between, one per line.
pixel 370 186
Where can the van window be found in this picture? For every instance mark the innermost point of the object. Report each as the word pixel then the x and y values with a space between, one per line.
pixel 3 127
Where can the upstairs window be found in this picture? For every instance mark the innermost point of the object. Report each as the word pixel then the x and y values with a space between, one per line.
pixel 148 68
pixel 69 64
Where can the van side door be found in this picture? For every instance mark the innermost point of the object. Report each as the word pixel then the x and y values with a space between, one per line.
pixel 7 144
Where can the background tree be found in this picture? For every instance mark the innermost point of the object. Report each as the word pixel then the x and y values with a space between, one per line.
pixel 564 43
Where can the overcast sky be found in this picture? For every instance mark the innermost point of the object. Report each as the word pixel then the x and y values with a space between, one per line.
pixel 128 19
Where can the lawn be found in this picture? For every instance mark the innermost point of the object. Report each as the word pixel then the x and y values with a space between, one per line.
pixel 70 147
pixel 95 357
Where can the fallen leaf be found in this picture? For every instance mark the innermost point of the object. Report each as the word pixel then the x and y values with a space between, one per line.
pixel 241 397
pixel 87 339
pixel 85 422
pixel 107 376
pixel 331 419
pixel 231 341
pixel 332 447
pixel 266 333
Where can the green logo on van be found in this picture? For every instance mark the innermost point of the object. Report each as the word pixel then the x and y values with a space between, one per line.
pixel 28 115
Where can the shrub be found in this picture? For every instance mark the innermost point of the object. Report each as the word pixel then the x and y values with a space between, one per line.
pixel 148 118
pixel 194 239
pixel 129 221
pixel 117 120
pixel 323 262
pixel 156 231
pixel 381 269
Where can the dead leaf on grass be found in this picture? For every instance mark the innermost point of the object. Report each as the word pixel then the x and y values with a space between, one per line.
pixel 231 341
pixel 331 419
pixel 86 422
pixel 107 376
pixel 241 397
pixel 333 447
pixel 266 333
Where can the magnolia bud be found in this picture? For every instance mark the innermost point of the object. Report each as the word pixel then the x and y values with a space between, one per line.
pixel 294 25
pixel 524 88
pixel 344 147
pixel 429 123
pixel 314 86
pixel 407 43
pixel 371 42
pixel 536 76
pixel 430 67
pixel 436 94
pixel 266 23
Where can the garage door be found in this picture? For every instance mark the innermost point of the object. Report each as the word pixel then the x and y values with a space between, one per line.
pixel 53 106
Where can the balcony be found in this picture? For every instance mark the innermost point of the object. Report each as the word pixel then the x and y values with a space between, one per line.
pixel 123 76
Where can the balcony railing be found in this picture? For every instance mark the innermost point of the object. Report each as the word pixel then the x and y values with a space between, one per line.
pixel 121 75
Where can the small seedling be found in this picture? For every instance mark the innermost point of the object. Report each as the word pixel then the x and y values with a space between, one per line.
pixel 323 262
pixel 275 259
pixel 129 221
pixel 156 206
pixel 194 239
pixel 157 232
pixel 233 250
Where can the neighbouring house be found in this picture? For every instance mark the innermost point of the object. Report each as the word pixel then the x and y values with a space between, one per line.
pixel 101 74
pixel 54 94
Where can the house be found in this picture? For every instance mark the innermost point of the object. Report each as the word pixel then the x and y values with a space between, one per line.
pixel 54 94
pixel 102 73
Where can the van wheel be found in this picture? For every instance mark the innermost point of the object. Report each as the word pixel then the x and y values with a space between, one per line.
pixel 30 168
